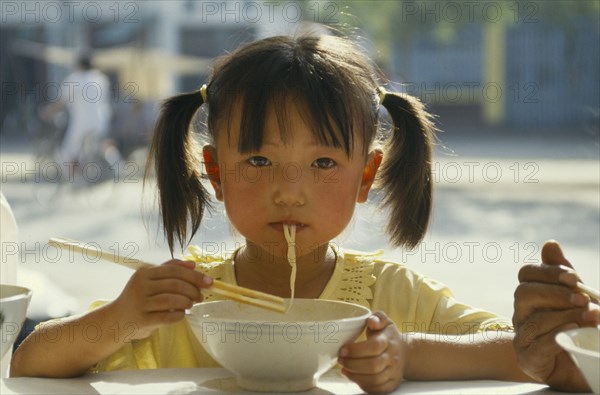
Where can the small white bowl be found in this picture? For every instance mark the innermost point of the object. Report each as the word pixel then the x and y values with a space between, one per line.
pixel 583 345
pixel 274 352
pixel 13 308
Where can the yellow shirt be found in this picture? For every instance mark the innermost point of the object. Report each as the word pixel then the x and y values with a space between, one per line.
pixel 414 302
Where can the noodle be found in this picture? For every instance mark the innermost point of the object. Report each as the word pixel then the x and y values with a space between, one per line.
pixel 289 232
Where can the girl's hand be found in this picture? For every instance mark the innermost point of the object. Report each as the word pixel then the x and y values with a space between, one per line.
pixel 547 303
pixel 159 295
pixel 377 364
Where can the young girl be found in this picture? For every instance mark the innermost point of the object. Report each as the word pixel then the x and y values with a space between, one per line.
pixel 294 139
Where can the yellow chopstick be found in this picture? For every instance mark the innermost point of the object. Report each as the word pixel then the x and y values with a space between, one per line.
pixel 240 294
pixel 586 289
pixel 88 248
pixel 255 301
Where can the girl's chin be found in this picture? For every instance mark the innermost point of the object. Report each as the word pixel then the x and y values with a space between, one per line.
pixel 273 248
pixel 278 249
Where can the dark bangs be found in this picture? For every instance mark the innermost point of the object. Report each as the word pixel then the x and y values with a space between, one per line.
pixel 331 85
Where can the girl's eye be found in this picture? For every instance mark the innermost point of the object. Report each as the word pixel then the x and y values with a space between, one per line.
pixel 259 161
pixel 324 163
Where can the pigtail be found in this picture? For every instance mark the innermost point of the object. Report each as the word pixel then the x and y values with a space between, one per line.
pixel 176 161
pixel 405 176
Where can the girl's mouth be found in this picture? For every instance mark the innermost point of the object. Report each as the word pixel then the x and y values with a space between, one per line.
pixel 278 226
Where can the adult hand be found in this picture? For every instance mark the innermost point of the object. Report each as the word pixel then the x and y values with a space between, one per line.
pixel 159 295
pixel 546 303
pixel 376 364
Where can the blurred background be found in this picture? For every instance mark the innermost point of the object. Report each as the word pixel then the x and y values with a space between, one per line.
pixel 514 84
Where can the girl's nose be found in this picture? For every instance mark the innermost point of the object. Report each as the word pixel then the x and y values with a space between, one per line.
pixel 288 199
pixel 289 190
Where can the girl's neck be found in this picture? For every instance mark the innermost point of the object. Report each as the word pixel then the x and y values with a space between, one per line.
pixel 258 269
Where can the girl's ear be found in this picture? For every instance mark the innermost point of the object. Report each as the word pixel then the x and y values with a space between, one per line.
pixel 212 169
pixel 369 172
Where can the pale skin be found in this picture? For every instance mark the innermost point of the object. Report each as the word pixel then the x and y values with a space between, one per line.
pixel 547 302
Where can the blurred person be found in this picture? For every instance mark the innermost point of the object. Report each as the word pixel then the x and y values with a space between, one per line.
pixel 86 95
pixel 547 302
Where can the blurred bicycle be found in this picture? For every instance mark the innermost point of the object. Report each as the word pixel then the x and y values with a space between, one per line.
pixel 82 156
pixel 92 174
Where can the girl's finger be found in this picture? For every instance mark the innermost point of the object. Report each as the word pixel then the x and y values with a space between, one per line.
pixel 376 343
pixel 167 302
pixel 166 317
pixel 377 322
pixel 374 346
pixel 174 286
pixel 372 383
pixel 181 270
pixel 379 319
pixel 372 365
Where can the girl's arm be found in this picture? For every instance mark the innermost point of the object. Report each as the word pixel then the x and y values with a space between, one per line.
pixel 483 355
pixel 152 297
pixel 387 357
pixel 67 348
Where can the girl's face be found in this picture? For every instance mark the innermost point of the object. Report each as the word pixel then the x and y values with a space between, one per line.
pixel 300 182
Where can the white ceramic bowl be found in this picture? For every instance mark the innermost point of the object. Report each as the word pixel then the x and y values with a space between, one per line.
pixel 583 345
pixel 270 351
pixel 13 308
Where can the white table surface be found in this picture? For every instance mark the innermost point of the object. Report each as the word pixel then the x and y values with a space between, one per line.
pixel 206 381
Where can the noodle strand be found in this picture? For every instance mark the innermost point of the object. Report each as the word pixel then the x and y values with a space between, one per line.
pixel 289 231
